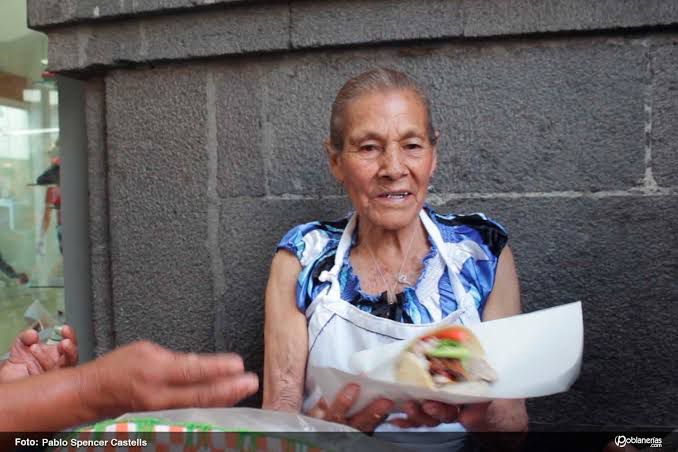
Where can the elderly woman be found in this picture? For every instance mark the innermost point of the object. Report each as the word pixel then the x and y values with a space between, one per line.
pixel 387 271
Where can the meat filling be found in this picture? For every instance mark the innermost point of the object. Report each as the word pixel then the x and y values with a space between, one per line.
pixel 447 367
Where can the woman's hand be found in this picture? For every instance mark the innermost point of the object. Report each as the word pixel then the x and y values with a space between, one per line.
pixel 427 414
pixel 29 356
pixel 366 420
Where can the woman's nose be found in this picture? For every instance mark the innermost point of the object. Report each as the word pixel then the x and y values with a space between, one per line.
pixel 392 165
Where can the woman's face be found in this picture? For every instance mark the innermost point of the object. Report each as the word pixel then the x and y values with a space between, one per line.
pixel 388 158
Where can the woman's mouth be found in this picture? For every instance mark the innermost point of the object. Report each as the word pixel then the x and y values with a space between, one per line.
pixel 395 195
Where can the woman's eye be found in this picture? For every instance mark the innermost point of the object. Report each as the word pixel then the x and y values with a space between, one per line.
pixel 369 148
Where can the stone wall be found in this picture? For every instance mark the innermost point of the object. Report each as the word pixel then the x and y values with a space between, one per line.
pixel 205 120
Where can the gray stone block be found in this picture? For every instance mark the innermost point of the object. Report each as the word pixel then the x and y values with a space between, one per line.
pixel 665 114
pixel 45 13
pixel 354 21
pixel 241 129
pixel 49 12
pixel 158 167
pixel 82 46
pixel 567 116
pixel 199 34
pixel 498 17
pixel 232 31
pixel 615 255
pixel 100 273
pixel 250 230
pixel 63 50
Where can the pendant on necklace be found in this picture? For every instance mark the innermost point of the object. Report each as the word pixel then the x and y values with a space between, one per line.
pixel 391 297
pixel 402 279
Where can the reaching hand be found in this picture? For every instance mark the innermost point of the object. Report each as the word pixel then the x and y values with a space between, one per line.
pixel 30 357
pixel 143 376
pixel 138 377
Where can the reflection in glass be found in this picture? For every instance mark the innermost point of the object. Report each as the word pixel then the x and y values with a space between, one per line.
pixel 31 265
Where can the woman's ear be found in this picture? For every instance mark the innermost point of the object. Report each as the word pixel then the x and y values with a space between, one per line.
pixel 334 159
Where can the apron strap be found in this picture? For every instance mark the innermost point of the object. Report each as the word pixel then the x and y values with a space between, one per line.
pixel 464 299
pixel 334 291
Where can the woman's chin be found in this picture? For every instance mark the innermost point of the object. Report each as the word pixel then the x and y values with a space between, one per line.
pixel 393 218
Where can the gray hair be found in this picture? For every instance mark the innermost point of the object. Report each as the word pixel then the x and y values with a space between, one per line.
pixel 380 79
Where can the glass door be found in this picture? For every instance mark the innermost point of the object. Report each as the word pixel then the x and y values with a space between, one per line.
pixel 31 264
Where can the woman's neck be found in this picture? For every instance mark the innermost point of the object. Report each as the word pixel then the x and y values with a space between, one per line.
pixel 389 243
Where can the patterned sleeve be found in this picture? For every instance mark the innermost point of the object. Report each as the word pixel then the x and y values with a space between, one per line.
pixel 293 241
pixel 306 241
pixel 483 230
pixel 493 234
pixel 310 242
pixel 478 273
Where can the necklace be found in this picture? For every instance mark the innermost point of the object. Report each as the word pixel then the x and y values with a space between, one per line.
pixel 401 278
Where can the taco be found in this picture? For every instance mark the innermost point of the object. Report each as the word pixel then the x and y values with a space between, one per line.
pixel 444 357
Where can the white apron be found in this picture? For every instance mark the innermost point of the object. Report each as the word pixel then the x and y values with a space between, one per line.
pixel 337 329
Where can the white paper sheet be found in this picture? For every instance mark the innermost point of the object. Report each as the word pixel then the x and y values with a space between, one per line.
pixel 535 354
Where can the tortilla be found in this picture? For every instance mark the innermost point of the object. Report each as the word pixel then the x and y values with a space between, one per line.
pixel 413 369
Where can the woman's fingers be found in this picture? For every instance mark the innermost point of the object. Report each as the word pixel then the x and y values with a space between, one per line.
pixel 366 420
pixel 343 403
pixel 443 412
pixel 417 415
pixel 372 415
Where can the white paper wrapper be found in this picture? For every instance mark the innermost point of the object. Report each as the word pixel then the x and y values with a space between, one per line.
pixel 535 354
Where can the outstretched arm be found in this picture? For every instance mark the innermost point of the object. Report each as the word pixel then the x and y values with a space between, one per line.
pixel 285 336
pixel 138 377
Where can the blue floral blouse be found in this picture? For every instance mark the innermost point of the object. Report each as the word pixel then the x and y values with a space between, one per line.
pixel 431 298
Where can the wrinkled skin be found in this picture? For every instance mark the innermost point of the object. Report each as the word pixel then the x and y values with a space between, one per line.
pixel 29 357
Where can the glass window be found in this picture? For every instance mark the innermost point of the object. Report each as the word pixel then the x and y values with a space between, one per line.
pixel 31 264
